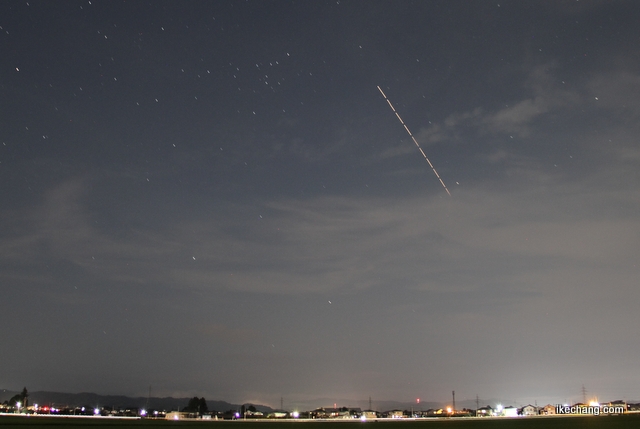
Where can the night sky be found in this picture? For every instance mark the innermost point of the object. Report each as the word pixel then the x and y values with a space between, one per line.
pixel 213 198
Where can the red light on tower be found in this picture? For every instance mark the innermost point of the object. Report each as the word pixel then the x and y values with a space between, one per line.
pixel 418 400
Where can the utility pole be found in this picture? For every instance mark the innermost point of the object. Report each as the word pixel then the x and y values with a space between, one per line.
pixel 477 405
pixel 370 403
pixel 453 393
pixel 584 395
pixel 146 405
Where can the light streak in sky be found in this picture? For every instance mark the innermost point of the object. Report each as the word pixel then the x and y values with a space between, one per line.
pixel 414 140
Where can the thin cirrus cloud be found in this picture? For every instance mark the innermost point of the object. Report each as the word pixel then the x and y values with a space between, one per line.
pixel 336 243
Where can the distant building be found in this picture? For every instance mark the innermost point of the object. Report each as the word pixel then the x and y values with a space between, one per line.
pixel 633 407
pixel 177 415
pixel 465 412
pixel 335 413
pixel 395 414
pixel 369 414
pixel 510 411
pixel 548 410
pixel 485 411
pixel 529 410
pixel 621 404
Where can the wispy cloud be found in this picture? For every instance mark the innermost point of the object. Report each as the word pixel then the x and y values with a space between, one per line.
pixel 340 243
pixel 547 95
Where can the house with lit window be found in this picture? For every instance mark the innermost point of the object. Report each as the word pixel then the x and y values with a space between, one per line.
pixel 548 410
pixel 485 411
pixel 529 410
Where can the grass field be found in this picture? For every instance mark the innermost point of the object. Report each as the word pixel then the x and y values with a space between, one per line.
pixel 591 422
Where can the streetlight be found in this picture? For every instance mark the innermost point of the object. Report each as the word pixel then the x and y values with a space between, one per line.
pixel 18 404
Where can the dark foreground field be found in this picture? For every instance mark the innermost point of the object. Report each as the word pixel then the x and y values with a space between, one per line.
pixel 608 422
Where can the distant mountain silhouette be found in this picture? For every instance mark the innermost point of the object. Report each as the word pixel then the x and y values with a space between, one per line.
pixel 87 399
